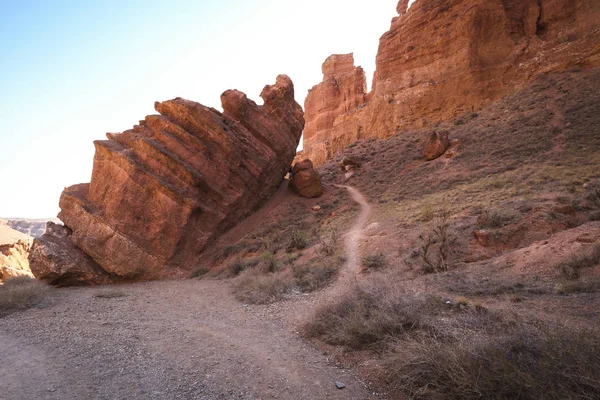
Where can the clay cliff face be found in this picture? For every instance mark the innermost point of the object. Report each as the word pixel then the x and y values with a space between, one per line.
pixel 163 190
pixel 441 59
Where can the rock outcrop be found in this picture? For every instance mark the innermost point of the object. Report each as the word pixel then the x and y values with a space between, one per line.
pixel 441 59
pixel 14 252
pixel 344 88
pixel 306 181
pixel 162 191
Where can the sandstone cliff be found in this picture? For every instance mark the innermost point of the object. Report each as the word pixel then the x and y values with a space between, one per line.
pixel 162 191
pixel 14 252
pixel 441 59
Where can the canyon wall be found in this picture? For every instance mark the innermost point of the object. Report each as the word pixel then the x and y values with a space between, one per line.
pixel 444 58
pixel 162 191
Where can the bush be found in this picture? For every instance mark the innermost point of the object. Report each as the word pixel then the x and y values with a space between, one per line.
pixel 269 261
pixel 367 315
pixel 521 362
pixel 237 266
pixel 329 243
pixel 438 245
pixel 298 240
pixel 374 261
pixel 312 277
pixel 255 287
pixel 21 293
pixel 587 258
pixel 494 219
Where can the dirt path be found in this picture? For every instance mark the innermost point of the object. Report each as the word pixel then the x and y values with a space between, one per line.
pixel 164 340
pixel 353 236
pixel 170 340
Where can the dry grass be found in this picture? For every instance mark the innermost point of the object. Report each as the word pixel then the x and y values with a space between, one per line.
pixel 570 268
pixel 253 286
pixel 428 347
pixel 262 286
pixel 110 294
pixel 21 293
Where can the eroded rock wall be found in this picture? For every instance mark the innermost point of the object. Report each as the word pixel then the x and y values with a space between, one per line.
pixel 165 189
pixel 444 58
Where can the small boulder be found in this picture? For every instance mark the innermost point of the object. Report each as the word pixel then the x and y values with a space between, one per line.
pixel 306 181
pixel 436 145
pixel 348 163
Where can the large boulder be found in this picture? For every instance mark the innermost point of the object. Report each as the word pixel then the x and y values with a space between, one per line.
pixel 164 190
pixel 306 181
pixel 435 145
pixel 443 59
pixel 58 262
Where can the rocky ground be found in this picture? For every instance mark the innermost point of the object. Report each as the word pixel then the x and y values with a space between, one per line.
pixel 165 340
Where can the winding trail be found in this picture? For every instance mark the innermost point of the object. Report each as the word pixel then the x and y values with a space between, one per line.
pixel 355 233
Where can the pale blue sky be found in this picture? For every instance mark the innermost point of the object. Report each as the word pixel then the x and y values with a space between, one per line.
pixel 70 71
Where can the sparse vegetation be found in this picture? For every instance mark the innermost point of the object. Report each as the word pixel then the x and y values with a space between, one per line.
pixel 261 287
pixel 433 348
pixel 570 268
pixel 21 293
pixel 437 246
pixel 299 240
pixel 110 294
pixel 329 243
pixel 494 218
pixel 374 261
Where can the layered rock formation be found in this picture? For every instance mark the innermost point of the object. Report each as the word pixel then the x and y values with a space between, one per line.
pixel 441 59
pixel 162 191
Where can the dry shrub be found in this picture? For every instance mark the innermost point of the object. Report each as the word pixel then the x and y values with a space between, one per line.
pixel 21 293
pixel 367 314
pixel 262 286
pixel 430 348
pixel 311 277
pixel 494 218
pixel 589 257
pixel 329 243
pixel 374 261
pixel 517 362
pixel 253 286
pixel 438 245
pixel 238 265
pixel 298 240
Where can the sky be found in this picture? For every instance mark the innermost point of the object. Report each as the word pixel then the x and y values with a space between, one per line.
pixel 70 71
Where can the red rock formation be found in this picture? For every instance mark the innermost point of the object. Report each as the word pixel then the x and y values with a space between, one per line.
pixel 343 89
pixel 441 59
pixel 435 145
pixel 14 252
pixel 306 181
pixel 163 190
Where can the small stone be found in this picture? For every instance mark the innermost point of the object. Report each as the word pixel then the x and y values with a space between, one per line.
pixel 340 385
pixel 316 208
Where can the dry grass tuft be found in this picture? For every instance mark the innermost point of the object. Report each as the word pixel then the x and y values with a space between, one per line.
pixel 110 294
pixel 21 293
pixel 262 286
pixel 253 286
